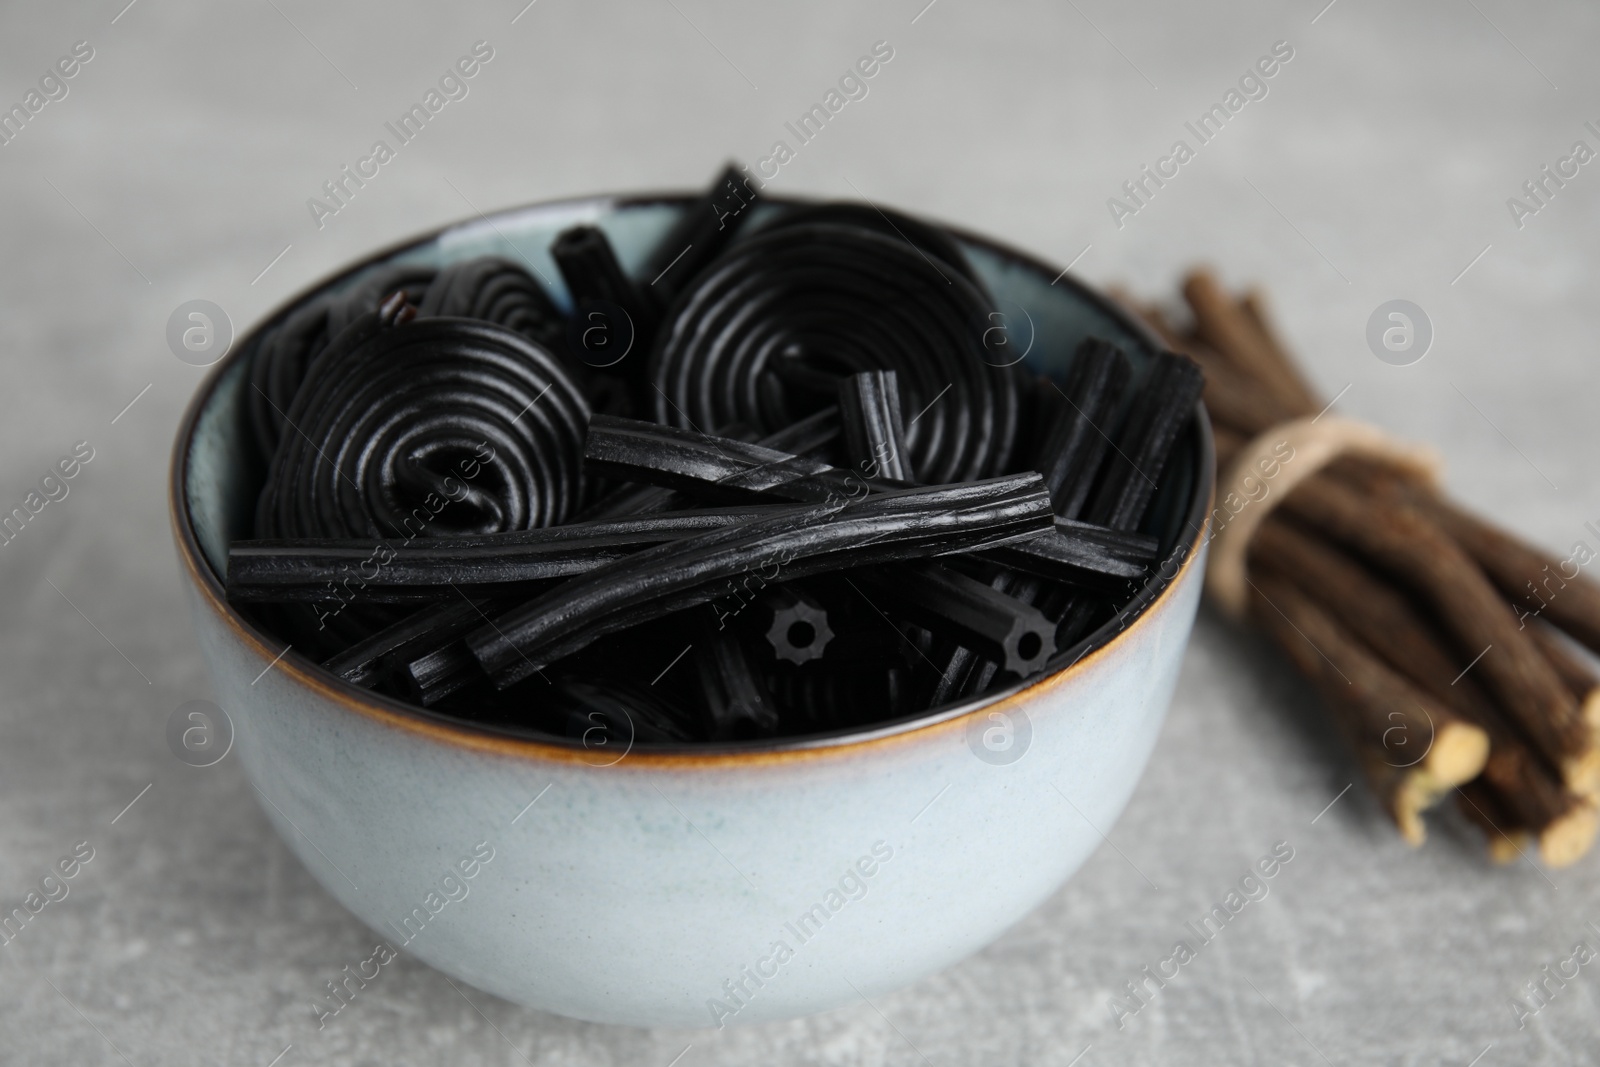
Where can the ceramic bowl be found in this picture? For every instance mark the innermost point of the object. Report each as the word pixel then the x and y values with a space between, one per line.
pixel 692 886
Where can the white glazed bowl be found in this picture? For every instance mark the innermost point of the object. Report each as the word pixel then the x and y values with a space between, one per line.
pixel 703 885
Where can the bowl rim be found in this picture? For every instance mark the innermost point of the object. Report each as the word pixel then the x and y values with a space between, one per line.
pixel 507 741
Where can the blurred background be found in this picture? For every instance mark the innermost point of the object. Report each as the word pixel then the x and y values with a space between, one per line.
pixel 176 164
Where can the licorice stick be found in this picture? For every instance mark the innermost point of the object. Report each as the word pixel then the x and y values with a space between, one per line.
pixel 608 718
pixel 895 526
pixel 1094 558
pixel 710 466
pixel 1469 579
pixel 874 434
pixel 700 234
pixel 319 570
pixel 445 670
pixel 1539 584
pixel 878 529
pixel 811 435
pixel 594 276
pixel 1011 632
pixel 1163 407
pixel 363 663
pixel 1391 628
pixel 1523 786
pixel 1445 578
pixel 794 624
pixel 1378 707
pixel 738 705
pixel 1079 436
pixel 1069 457
pixel 1120 497
pixel 721 468
pixel 1579 675
pixel 840 299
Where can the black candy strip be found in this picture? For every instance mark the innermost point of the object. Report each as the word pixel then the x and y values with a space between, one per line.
pixel 364 663
pixel 794 623
pixel 1171 390
pixel 813 434
pixel 700 234
pixel 320 570
pixel 443 672
pixel 720 468
pixel 874 433
pixel 1163 407
pixel 594 277
pixel 1093 557
pixel 1079 436
pixel 737 705
pixel 882 528
pixel 714 467
pixel 1011 632
pixel 1070 457
pixel 610 718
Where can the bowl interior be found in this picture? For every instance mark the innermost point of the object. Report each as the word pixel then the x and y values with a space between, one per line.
pixel 219 476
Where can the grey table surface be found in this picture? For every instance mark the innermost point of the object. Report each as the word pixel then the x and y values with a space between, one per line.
pixel 1378 166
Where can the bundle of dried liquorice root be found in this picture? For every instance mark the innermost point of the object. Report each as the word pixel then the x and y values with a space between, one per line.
pixel 781 481
pixel 1446 649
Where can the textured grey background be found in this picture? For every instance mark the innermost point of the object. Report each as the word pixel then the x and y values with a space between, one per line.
pixel 1378 167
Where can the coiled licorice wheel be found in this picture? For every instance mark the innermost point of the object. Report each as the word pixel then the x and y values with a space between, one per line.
pixel 932 240
pixel 434 428
pixel 761 337
pixel 285 354
pixel 498 291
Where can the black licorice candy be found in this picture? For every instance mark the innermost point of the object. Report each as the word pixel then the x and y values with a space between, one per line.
pixel 1079 436
pixel 788 343
pixel 906 524
pixel 366 662
pixel 1011 632
pixel 598 284
pixel 320 570
pixel 1081 554
pixel 874 433
pixel 838 300
pixel 498 291
pixel 1070 458
pixel 285 353
pixel 702 231
pixel 813 434
pixel 737 705
pixel 1162 408
pixel 720 468
pixel 933 243
pixel 712 467
pixel 793 623
pixel 432 428
pixel 609 718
